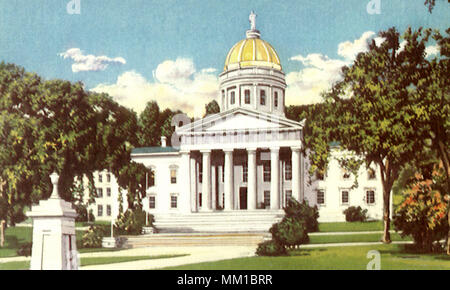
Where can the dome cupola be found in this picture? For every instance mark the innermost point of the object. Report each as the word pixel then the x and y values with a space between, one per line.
pixel 253 77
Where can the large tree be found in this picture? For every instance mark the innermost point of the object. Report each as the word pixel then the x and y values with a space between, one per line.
pixel 372 110
pixel 55 125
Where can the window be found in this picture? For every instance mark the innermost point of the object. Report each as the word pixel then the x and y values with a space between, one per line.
pixel 173 201
pixel 288 195
pixel 232 98
pixel 247 96
pixel 200 199
pixel 173 176
pixel 288 170
pixel 151 202
pixel 100 177
pixel 371 174
pixel 108 177
pixel 245 172
pixel 108 191
pixel 108 210
pixel 99 210
pixel 345 196
pixel 267 198
pixel 370 196
pixel 266 172
pixel 275 99
pixel 200 173
pixel 99 192
pixel 150 178
pixel 262 94
pixel 320 197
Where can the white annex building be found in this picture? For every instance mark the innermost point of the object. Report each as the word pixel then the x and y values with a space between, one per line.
pixel 235 170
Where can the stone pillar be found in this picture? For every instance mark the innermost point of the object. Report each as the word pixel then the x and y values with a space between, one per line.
pixel 275 178
pixel 54 241
pixel 206 183
pixel 228 182
pixel 183 178
pixel 252 184
pixel 296 168
pixel 302 176
pixel 213 187
pixel 193 184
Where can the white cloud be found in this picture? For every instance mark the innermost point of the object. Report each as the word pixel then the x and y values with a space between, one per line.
pixel 432 50
pixel 320 72
pixel 176 85
pixel 89 62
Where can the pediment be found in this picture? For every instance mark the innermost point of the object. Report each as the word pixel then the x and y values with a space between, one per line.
pixel 240 119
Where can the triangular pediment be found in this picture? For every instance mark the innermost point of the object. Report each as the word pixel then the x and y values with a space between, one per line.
pixel 240 119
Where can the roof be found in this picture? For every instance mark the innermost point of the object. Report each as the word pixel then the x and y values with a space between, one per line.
pixel 157 149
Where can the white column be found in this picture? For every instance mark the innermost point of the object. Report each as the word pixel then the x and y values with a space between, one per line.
pixel 193 179
pixel 183 177
pixel 295 158
pixel 206 182
pixel 213 187
pixel 228 182
pixel 302 176
pixel 251 165
pixel 275 178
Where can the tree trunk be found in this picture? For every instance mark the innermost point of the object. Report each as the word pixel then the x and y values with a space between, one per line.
pixel 448 235
pixel 2 233
pixel 386 216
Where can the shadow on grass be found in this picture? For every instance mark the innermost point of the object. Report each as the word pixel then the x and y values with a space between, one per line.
pixel 304 252
pixel 412 252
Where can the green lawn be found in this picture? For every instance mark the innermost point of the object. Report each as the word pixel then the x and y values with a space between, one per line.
pixel 358 238
pixel 352 227
pixel 89 261
pixel 393 257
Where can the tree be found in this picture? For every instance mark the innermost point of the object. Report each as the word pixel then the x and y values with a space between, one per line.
pixel 149 125
pixel 55 125
pixel 431 3
pixel 211 108
pixel 370 111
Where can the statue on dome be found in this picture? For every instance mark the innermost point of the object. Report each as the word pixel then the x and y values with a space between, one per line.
pixel 252 19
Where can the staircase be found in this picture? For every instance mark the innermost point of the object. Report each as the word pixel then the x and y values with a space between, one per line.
pixel 194 239
pixel 258 221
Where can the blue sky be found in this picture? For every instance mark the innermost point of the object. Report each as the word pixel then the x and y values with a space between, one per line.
pixel 145 34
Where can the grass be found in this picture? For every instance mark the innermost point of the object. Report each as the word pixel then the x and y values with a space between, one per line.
pixel 352 227
pixel 358 238
pixel 393 257
pixel 90 261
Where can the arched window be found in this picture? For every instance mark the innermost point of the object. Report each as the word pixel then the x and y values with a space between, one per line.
pixel 275 99
pixel 262 97
pixel 232 98
pixel 247 96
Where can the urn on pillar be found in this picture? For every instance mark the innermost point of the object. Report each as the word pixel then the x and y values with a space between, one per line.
pixel 54 241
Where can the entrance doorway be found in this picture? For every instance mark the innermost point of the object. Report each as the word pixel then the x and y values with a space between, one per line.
pixel 243 198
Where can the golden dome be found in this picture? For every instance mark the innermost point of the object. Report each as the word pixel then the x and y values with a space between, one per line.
pixel 252 51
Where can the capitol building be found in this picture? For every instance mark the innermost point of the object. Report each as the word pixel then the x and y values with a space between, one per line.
pixel 234 171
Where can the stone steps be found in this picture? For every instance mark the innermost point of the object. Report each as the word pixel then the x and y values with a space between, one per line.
pixel 218 222
pixel 194 240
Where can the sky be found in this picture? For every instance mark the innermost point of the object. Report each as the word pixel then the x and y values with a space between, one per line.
pixel 172 51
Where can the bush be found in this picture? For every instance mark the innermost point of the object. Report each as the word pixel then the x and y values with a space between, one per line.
pixel 93 237
pixel 423 213
pixel 25 250
pixel 131 222
pixel 303 212
pixel 270 248
pixel 355 214
pixel 290 232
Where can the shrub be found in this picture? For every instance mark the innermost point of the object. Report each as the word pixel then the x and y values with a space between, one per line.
pixel 25 250
pixel 290 232
pixel 93 237
pixel 131 222
pixel 423 213
pixel 355 214
pixel 270 248
pixel 302 211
